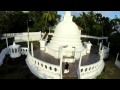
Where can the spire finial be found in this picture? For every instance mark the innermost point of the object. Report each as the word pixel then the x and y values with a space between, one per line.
pixel 67 13
pixel 67 16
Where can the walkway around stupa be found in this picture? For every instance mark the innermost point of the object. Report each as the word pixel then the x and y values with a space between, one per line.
pixel 91 58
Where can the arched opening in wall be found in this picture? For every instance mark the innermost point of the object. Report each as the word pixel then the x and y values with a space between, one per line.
pixel 12 50
pixel 85 69
pixel 81 70
pixel 23 50
pixel 9 50
pixel 90 68
pixel 50 68
pixel 46 66
pixel 55 69
pixel 41 65
pixel 15 50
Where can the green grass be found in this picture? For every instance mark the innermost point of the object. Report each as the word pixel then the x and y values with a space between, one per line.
pixel 101 76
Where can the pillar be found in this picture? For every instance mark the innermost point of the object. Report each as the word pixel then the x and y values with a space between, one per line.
pixel 108 44
pixel 7 42
pixel 80 64
pixel 32 49
pixel 101 55
pixel 42 45
pixel 98 42
pixel 80 59
pixel 61 59
pixel 117 56
pixel 28 39
pixel 100 47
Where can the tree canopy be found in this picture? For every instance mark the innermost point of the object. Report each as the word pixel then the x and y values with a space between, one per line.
pixel 16 21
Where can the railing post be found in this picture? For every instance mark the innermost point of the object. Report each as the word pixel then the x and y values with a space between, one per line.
pixel 7 42
pixel 98 41
pixel 101 55
pixel 32 49
pixel 61 59
pixel 28 39
pixel 100 46
pixel 117 56
pixel 80 64
pixel 108 44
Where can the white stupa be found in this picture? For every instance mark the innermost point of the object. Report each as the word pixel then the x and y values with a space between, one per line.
pixel 66 34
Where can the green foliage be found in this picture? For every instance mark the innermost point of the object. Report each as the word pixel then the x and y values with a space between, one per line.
pixel 52 31
pixel 115 43
pixel 43 20
pixel 13 21
pixel 16 21
pixel 95 24
pixel 101 76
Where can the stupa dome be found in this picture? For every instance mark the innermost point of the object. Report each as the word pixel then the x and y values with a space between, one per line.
pixel 66 33
pixel 67 27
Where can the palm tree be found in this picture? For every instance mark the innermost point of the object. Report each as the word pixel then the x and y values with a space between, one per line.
pixel 83 18
pixel 49 16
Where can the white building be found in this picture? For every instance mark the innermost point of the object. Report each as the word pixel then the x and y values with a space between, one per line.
pixel 48 61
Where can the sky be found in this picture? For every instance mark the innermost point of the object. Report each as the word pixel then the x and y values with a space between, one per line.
pixel 110 14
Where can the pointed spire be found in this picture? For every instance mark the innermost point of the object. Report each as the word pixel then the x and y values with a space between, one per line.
pixel 67 13
pixel 67 16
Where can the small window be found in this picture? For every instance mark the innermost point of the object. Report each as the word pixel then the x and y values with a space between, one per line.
pixel 15 50
pixel 50 68
pixel 81 70
pixel 46 66
pixel 85 69
pixel 41 65
pixel 35 62
pixel 12 50
pixel 55 69
pixel 93 67
pixel 9 50
pixel 89 68
pixel 38 63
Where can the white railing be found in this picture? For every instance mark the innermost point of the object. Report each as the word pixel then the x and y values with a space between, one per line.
pixel 92 70
pixel 43 69
pixel 2 55
pixel 94 37
pixel 23 37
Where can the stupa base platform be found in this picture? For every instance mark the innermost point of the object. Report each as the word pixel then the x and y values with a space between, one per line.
pixel 88 59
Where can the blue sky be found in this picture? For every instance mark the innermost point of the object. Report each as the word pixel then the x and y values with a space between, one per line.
pixel 110 14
